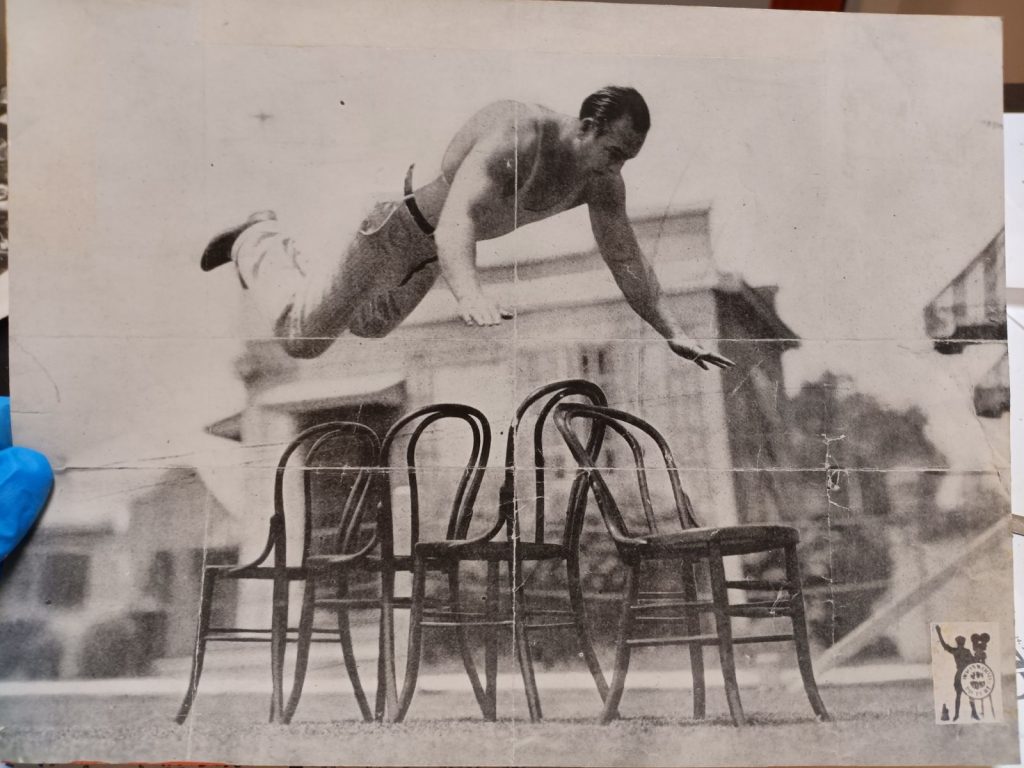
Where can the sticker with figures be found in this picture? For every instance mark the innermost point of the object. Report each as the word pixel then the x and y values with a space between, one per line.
pixel 1020 678
pixel 964 678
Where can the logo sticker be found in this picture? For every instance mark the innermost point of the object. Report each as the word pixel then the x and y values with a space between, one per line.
pixel 964 678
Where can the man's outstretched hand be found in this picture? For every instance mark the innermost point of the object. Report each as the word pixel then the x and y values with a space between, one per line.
pixel 25 483
pixel 685 348
pixel 479 309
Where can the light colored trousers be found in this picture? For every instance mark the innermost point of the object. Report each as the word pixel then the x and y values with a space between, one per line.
pixel 386 271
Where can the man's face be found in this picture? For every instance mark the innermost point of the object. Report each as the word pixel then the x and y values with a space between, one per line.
pixel 606 152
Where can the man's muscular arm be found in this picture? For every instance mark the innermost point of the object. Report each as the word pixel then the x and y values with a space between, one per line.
pixel 634 274
pixel 480 181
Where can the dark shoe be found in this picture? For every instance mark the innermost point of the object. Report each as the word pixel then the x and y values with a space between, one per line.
pixel 218 251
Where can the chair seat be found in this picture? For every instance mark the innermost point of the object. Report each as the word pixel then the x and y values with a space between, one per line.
pixel 264 572
pixel 489 551
pixel 733 540
pixel 369 563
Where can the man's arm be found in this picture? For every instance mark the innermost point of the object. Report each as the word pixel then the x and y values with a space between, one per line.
pixel 480 181
pixel 634 274
pixel 943 642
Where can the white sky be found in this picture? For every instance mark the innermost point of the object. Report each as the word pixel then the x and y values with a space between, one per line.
pixel 855 161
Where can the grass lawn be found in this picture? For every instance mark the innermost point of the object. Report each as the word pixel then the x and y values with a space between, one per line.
pixel 873 724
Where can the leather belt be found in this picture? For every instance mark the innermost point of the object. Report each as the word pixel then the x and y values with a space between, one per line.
pixel 414 210
pixel 421 222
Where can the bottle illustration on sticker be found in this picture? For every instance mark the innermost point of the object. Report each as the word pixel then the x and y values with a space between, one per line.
pixel 964 679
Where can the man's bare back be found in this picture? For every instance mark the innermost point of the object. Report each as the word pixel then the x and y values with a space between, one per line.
pixel 532 173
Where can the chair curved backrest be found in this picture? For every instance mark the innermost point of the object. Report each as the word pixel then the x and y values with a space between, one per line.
pixel 543 400
pixel 317 440
pixel 627 426
pixel 461 513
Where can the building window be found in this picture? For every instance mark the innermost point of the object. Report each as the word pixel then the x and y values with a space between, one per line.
pixel 595 362
pixel 608 454
pixel 20 576
pixel 160 578
pixel 225 597
pixel 64 581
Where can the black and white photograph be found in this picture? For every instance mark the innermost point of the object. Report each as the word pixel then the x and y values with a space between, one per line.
pixel 522 382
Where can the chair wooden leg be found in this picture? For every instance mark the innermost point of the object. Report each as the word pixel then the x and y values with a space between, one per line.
pixel 278 646
pixel 455 605
pixel 579 617
pixel 302 648
pixel 388 674
pixel 622 649
pixel 199 653
pixel 723 623
pixel 348 652
pixel 491 643
pixel 522 641
pixel 800 638
pixel 696 650
pixel 380 699
pixel 412 662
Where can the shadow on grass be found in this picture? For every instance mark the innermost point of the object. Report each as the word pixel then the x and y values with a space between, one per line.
pixel 725 721
pixel 655 721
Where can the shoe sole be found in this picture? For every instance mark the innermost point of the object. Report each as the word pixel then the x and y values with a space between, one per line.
pixel 218 250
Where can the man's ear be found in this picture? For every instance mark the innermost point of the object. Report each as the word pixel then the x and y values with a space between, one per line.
pixel 588 125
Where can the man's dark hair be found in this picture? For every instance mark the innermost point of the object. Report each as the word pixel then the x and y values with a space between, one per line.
pixel 612 102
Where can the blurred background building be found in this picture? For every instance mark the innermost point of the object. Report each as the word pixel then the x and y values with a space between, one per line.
pixel 98 579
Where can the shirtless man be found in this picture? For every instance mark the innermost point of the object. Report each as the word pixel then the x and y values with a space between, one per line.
pixel 510 164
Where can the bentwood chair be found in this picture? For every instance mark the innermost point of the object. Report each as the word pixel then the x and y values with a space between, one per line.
pixel 328 582
pixel 515 550
pixel 391 703
pixel 639 540
pixel 519 548
pixel 310 456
